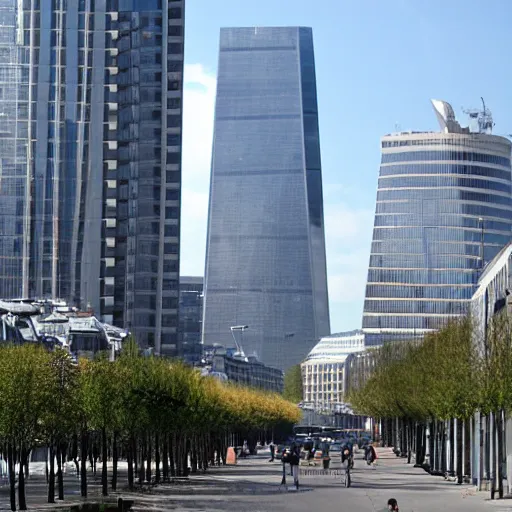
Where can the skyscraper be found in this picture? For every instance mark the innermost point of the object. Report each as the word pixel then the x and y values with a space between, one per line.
pixel 90 155
pixel 191 318
pixel 444 209
pixel 55 72
pixel 141 264
pixel 265 262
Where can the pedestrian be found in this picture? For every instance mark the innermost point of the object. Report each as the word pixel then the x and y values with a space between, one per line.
pixel 272 451
pixel 393 504
pixel 294 463
pixel 285 458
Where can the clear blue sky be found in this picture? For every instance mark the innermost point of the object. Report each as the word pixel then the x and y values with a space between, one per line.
pixel 378 63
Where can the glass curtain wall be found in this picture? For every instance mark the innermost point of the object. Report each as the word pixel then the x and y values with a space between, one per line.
pixel 441 214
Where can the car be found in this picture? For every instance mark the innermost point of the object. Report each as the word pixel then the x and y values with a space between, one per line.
pixel 335 448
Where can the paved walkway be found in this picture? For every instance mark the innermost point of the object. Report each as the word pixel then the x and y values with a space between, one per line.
pixel 253 485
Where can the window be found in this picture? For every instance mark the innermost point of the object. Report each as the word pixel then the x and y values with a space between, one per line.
pixel 175 13
pixel 172 212
pixel 174 85
pixel 174 103
pixel 175 30
pixel 173 158
pixel 171 248
pixel 172 176
pixel 173 139
pixel 175 48
pixel 171 230
pixel 172 195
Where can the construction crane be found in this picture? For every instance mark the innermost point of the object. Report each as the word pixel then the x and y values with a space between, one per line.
pixel 483 117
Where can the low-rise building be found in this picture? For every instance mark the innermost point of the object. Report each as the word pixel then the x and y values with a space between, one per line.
pixel 323 370
pixel 246 371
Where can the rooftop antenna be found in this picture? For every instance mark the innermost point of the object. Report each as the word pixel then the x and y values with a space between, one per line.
pixel 483 118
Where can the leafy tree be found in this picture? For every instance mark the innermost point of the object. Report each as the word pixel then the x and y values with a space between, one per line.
pixel 293 384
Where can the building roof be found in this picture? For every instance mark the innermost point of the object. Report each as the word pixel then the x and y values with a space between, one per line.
pixel 336 347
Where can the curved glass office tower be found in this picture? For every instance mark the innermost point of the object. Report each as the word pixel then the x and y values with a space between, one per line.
pixel 443 210
pixel 265 265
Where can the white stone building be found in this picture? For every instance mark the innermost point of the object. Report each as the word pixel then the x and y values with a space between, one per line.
pixel 322 370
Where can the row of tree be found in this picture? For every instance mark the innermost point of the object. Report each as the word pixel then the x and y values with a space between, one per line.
pixel 160 416
pixel 449 375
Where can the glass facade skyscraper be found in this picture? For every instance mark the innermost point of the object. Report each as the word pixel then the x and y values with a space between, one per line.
pixel 90 158
pixel 54 76
pixel 265 262
pixel 141 279
pixel 444 209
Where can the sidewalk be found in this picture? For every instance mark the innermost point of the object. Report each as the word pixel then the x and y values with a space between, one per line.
pixel 253 485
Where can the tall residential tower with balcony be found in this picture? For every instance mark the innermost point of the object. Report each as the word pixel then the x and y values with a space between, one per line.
pixel 141 257
pixel 444 209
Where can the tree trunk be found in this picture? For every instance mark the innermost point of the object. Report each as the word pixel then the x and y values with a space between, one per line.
pixel 130 457
pixel 135 456
pixel 51 476
pixel 114 461
pixel 443 449
pixel 499 422
pixel 452 448
pixel 142 472
pixel 172 448
pixel 60 475
pixel 459 451
pixel 166 459
pixel 83 463
pixel 157 458
pixel 74 453
pixel 467 449
pixel 11 462
pixel 149 460
pixel 431 447
pixel 193 455
pixel 104 457
pixel 21 480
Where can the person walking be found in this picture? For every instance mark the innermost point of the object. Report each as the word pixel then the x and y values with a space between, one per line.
pixel 294 463
pixel 370 454
pixel 272 451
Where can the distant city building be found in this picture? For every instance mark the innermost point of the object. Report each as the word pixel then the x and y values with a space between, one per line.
pixel 265 262
pixel 245 371
pixel 323 370
pixel 443 210
pixel 140 264
pixel 56 325
pixel 191 318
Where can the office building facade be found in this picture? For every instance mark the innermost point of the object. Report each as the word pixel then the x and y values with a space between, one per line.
pixel 190 318
pixel 90 145
pixel 443 210
pixel 265 262
pixel 142 211
pixel 55 74
pixel 323 370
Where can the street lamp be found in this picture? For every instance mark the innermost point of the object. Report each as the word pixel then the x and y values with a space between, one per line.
pixel 240 328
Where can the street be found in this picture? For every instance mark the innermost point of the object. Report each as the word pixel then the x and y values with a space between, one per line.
pixel 253 485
